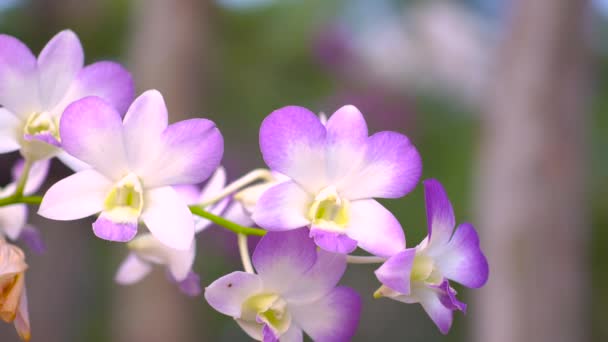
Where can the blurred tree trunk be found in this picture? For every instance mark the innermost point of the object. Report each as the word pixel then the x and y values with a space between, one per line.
pixel 531 190
pixel 168 45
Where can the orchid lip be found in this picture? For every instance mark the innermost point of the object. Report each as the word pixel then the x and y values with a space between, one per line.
pixel 269 309
pixel 126 200
pixel 41 123
pixel 329 211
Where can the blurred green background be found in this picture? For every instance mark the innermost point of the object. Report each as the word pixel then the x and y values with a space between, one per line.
pixel 417 67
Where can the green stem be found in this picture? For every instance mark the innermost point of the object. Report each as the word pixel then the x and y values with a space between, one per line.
pixel 232 226
pixel 23 178
pixel 13 199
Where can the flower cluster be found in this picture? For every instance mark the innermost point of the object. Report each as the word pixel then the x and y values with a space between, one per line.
pixel 139 176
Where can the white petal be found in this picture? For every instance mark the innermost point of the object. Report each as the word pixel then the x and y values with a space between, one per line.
pixel 132 270
pixel 77 196
pixel 214 185
pixel 293 334
pixel 168 217
pixel 9 130
pixel 58 63
pixel 228 293
pixel 283 207
pixel 72 162
pixel 12 220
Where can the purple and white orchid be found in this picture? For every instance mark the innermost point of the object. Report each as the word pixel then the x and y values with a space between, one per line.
pixel 146 250
pixel 34 92
pixel 293 292
pixel 422 274
pixel 134 164
pixel 13 218
pixel 336 170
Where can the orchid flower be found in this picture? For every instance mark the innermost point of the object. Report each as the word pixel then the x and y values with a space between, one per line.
pixel 13 297
pixel 13 218
pixel 336 170
pixel 422 274
pixel 134 164
pixel 35 91
pixel 293 292
pixel 146 250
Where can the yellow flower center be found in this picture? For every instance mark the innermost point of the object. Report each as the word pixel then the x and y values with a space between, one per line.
pixel 126 199
pixel 269 308
pixel 43 122
pixel 329 211
pixel 423 269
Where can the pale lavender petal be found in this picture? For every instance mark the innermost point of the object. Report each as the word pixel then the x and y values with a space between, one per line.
pixel 391 168
pixel 236 212
pixel 268 335
pixel 18 77
pixel 462 259
pixel 188 193
pixel 37 176
pixel 168 218
pixel 12 220
pixel 9 131
pixel 58 64
pixel 228 293
pixel 283 207
pixel 439 214
pixel 77 196
pixel 107 229
pixel 395 272
pixel 292 141
pixel 334 317
pixel 108 80
pixel 375 228
pixel 319 280
pixel 191 285
pixel 214 185
pixel 190 151
pixel 144 124
pixel 132 270
pixel 72 162
pixel 441 315
pixel 32 238
pixel 293 334
pixel 283 258
pixel 333 241
pixel 346 125
pixel 91 130
pixel 217 209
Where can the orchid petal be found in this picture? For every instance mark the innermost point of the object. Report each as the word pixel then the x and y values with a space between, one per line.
pixel 109 229
pixel 91 130
pixel 191 285
pixel 58 64
pixel 334 317
pixel 334 242
pixel 395 272
pixel 36 176
pixel 283 207
pixel 12 220
pixel 462 259
pixel 319 280
pixel 132 270
pixel 283 258
pixel 32 238
pixel 439 214
pixel 77 196
pixel 375 228
pixel 228 293
pixel 189 151
pixel 292 141
pixel 18 77
pixel 168 218
pixel 9 128
pixel 214 185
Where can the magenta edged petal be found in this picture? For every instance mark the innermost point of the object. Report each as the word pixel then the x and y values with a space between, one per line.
pixel 346 125
pixel 268 335
pixel 441 315
pixel 107 80
pixel 447 296
pixel 282 258
pixel 391 168
pixel 334 317
pixel 320 279
pixel 228 293
pixel 283 207
pixel 58 63
pixel 91 130
pixel 462 260
pixel 395 272
pixel 107 229
pixel 375 228
pixel 44 137
pixel 439 213
pixel 332 241
pixel 292 141
pixel 18 77
pixel 189 152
